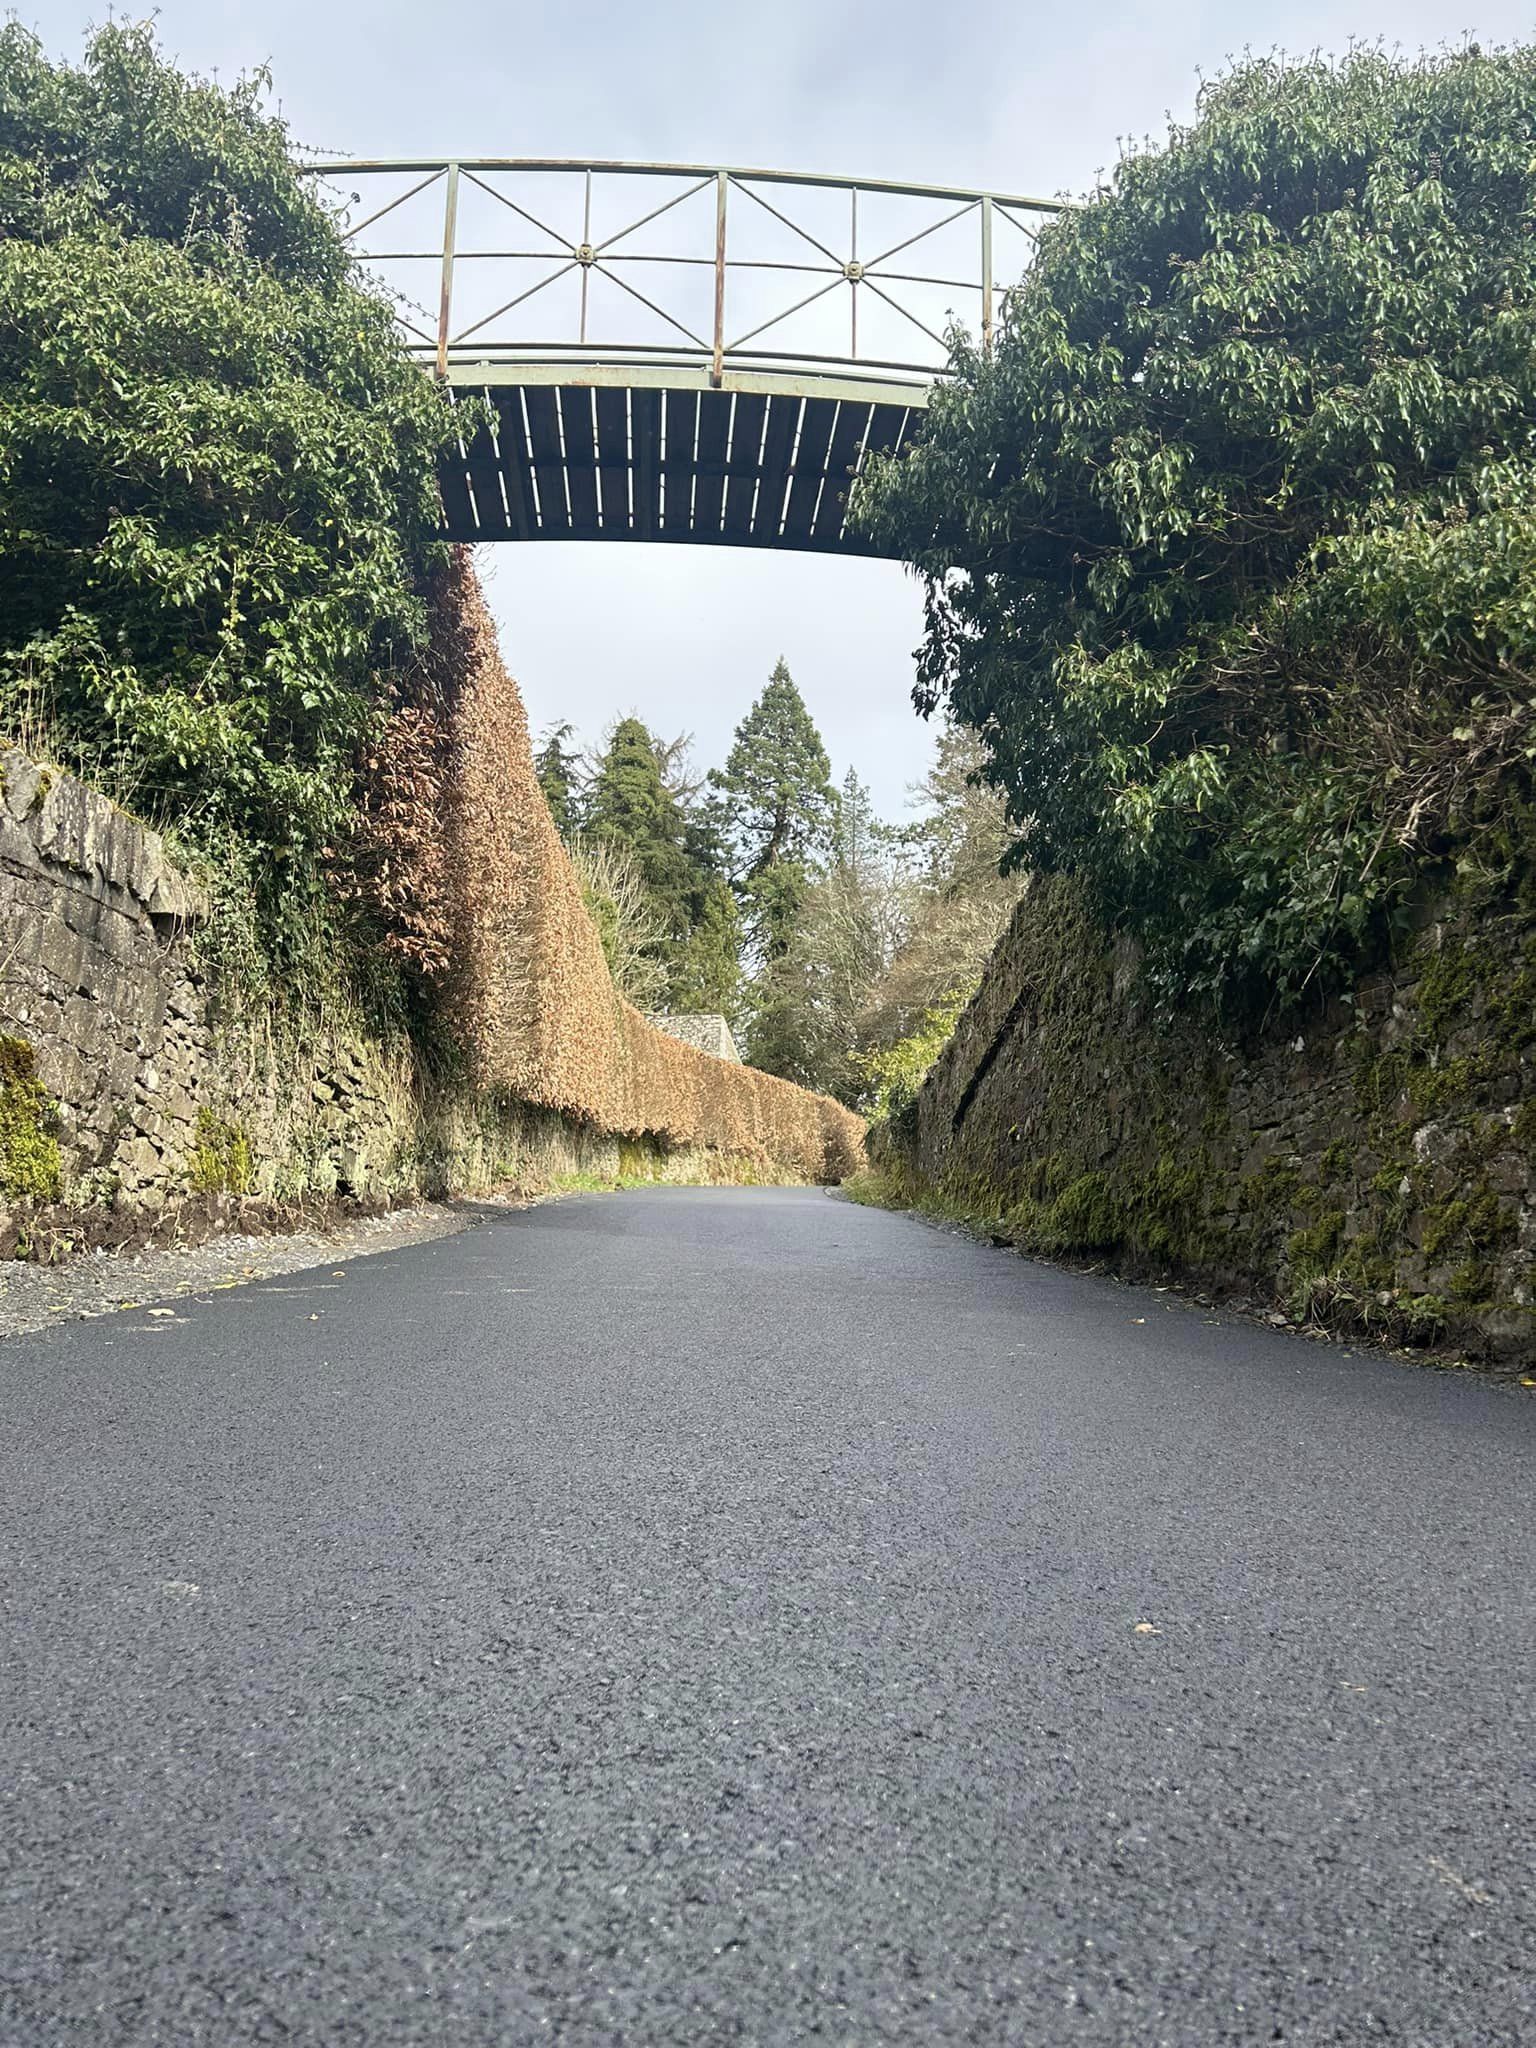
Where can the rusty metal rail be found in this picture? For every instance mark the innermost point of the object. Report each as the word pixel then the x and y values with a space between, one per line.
pixel 677 350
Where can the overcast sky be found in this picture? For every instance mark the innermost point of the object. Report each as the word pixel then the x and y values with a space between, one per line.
pixel 1003 95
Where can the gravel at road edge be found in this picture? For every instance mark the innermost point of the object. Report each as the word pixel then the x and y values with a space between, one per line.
pixel 34 1297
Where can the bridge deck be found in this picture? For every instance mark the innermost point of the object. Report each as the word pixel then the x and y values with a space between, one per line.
pixel 584 455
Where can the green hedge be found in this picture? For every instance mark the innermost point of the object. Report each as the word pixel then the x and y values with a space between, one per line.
pixel 1231 542
pixel 217 465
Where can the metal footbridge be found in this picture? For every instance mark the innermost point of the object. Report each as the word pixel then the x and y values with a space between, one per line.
pixel 677 351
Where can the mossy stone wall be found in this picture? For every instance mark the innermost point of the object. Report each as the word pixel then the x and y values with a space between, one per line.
pixel 1370 1165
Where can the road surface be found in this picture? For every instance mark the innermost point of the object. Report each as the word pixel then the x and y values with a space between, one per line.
pixel 737 1616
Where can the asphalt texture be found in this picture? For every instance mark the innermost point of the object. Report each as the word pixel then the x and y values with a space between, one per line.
pixel 737 1616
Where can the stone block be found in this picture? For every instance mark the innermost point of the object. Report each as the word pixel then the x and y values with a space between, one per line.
pixel 19 779
pixel 1508 1174
pixel 138 1161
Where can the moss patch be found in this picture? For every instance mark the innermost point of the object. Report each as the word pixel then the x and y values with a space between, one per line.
pixel 1086 1216
pixel 221 1160
pixel 1315 1249
pixel 30 1167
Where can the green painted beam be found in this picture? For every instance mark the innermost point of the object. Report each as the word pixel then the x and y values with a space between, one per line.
pixel 505 372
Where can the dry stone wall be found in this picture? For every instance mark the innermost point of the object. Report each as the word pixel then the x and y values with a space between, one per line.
pixel 149 1099
pixel 1373 1164
pixel 90 915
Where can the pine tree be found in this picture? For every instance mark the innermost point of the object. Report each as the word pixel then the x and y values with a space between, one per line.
pixel 777 771
pixel 858 837
pixel 780 820
pixel 809 998
pixel 559 772
pixel 629 807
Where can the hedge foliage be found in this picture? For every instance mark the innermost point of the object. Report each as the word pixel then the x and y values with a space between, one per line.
pixel 527 992
pixel 217 466
pixel 1230 543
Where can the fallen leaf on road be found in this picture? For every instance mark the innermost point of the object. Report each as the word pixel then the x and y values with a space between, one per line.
pixel 1146 1628
pixel 1458 1883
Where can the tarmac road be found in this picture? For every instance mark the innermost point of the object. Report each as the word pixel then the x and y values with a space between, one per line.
pixel 733 1615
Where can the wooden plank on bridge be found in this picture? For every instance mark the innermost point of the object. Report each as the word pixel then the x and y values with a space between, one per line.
pixel 548 462
pixel 613 461
pixel 842 456
pixel 778 446
pixel 580 461
pixel 709 464
pixel 458 506
pixel 483 467
pixel 742 466
pixel 809 468
pixel 681 427
pixel 645 432
pixel 516 466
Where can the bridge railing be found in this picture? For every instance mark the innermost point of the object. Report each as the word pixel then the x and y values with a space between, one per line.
pixel 501 261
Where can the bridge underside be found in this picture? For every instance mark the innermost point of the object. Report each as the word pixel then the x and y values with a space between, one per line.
pixel 638 452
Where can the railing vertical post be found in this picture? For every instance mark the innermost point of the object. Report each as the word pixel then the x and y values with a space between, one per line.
pixel 853 273
pixel 722 182
pixel 586 253
pixel 986 273
pixel 445 300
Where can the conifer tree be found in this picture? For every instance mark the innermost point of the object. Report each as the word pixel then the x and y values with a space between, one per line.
pixel 779 820
pixel 858 837
pixel 629 807
pixel 808 998
pixel 778 773
pixel 559 772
